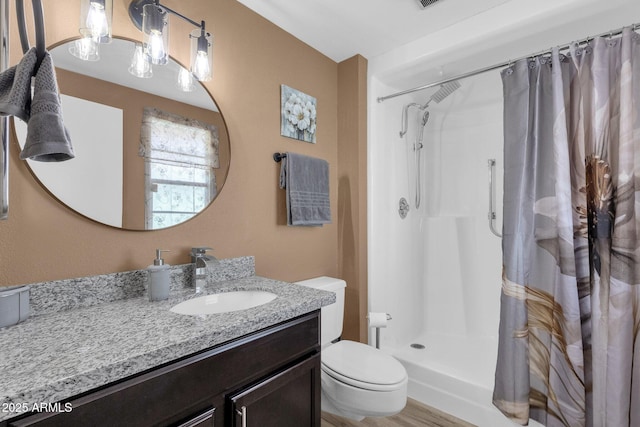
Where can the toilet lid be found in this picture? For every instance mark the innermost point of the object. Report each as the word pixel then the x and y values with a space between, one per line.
pixel 362 363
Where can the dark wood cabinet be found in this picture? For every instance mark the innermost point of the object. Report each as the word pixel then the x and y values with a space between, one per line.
pixel 204 419
pixel 290 398
pixel 274 374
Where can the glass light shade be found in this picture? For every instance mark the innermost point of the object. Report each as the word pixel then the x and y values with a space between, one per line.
pixel 155 33
pixel 185 80
pixel 201 54
pixel 95 19
pixel 140 65
pixel 85 48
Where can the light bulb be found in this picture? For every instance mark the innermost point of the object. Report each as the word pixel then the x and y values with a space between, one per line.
pixel 185 80
pixel 155 33
pixel 155 48
pixel 85 48
pixel 201 68
pixel 140 66
pixel 97 20
pixel 201 54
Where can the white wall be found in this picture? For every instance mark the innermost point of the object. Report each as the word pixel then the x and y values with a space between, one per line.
pixel 439 269
pixel 462 266
pixel 395 254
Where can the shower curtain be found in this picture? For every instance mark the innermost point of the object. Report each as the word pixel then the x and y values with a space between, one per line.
pixel 569 353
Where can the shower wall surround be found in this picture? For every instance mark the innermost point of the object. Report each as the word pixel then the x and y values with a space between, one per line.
pixel 438 272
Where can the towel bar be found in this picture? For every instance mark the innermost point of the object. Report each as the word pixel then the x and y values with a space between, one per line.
pixel 38 18
pixel 279 156
pixel 4 121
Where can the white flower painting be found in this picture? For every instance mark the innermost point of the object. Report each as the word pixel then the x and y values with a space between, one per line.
pixel 298 115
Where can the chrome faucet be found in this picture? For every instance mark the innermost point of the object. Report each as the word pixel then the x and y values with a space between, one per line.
pixel 199 259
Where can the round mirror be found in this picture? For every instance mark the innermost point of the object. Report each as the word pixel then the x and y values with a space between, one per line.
pixel 150 152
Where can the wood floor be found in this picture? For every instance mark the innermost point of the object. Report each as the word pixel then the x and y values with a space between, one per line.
pixel 415 414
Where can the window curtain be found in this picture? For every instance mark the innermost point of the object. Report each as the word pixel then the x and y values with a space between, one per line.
pixel 180 156
pixel 569 353
pixel 167 137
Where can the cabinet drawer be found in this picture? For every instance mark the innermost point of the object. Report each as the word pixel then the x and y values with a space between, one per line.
pixel 174 392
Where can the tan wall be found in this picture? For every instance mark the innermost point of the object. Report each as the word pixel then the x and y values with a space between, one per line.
pixel 43 240
pixel 352 198
pixel 132 103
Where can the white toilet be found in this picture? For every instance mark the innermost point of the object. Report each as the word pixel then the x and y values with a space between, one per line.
pixel 358 380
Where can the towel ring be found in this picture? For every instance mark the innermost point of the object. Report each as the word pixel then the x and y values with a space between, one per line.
pixel 38 19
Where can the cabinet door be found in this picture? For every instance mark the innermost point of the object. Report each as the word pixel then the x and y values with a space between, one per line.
pixel 290 398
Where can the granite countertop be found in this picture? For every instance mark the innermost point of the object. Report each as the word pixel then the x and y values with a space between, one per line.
pixel 54 356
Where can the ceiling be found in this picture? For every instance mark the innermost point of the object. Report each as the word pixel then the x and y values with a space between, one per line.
pixel 342 28
pixel 407 46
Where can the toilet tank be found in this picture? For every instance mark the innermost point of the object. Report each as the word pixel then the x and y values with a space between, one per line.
pixel 331 315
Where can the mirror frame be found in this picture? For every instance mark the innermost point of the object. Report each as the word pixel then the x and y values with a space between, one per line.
pixel 220 187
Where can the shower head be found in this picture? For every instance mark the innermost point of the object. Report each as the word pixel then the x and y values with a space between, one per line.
pixel 445 90
pixel 425 3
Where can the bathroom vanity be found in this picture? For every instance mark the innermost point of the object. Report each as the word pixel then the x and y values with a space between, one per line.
pixel 133 362
pixel 270 377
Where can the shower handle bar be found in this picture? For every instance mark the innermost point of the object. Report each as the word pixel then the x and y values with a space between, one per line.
pixel 492 212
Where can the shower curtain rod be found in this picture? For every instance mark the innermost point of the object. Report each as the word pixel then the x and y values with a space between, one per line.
pixel 502 64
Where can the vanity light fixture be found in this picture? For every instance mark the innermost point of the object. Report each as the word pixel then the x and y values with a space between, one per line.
pixel 152 19
pixel 95 20
pixel 155 33
pixel 95 29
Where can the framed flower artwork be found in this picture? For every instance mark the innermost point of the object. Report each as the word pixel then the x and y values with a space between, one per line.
pixel 298 115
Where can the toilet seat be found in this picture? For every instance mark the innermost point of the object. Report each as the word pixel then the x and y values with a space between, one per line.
pixel 363 366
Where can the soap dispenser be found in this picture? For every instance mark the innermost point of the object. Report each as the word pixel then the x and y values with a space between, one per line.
pixel 158 278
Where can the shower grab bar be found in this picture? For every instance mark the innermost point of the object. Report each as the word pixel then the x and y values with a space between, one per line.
pixel 492 212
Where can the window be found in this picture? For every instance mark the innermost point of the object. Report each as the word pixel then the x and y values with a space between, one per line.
pixel 180 156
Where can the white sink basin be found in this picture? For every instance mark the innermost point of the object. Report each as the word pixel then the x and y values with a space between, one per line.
pixel 224 302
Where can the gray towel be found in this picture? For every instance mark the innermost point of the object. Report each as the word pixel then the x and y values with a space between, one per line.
pixel 47 137
pixel 15 87
pixel 306 180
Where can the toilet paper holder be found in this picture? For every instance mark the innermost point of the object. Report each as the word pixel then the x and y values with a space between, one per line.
pixel 377 321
